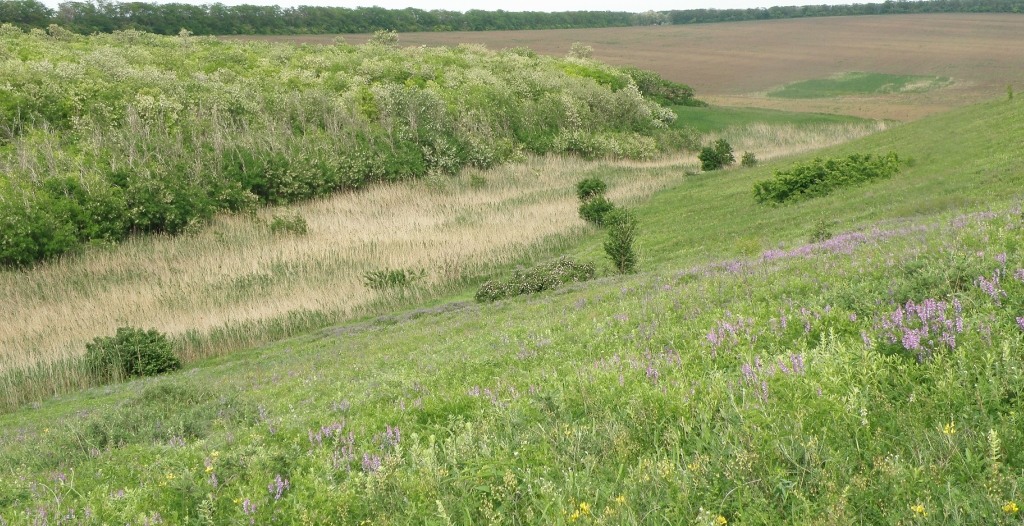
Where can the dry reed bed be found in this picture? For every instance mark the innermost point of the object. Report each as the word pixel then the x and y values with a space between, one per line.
pixel 237 274
pixel 237 270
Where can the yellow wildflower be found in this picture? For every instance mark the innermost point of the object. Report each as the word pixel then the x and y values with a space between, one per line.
pixel 169 476
pixel 721 521
pixel 620 500
pixel 950 428
pixel 209 469
pixel 919 510
pixel 215 453
pixel 575 516
pixel 585 508
pixel 1010 507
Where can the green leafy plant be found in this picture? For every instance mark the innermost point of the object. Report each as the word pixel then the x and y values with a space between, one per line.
pixel 622 230
pixel 595 210
pixel 130 353
pixel 823 176
pixel 389 279
pixel 590 188
pixel 294 224
pixel 822 230
pixel 748 160
pixel 716 156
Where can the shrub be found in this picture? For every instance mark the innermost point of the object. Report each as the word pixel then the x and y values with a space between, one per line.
pixel 580 50
pixel 537 279
pixel 822 176
pixel 748 160
pixel 294 224
pixel 822 231
pixel 392 278
pixel 131 352
pixel 716 156
pixel 622 226
pixel 595 210
pixel 590 187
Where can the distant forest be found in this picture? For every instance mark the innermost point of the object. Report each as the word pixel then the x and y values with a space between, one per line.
pixel 218 19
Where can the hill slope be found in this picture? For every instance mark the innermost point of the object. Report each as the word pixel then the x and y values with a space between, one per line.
pixel 794 384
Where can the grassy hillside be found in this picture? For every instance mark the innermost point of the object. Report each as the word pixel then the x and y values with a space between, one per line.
pixel 746 377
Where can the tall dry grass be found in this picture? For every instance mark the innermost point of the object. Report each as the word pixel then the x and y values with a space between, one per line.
pixel 237 284
pixel 237 273
pixel 773 141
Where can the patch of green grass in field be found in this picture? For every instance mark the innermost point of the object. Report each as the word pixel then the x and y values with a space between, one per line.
pixel 856 83
pixel 714 119
pixel 726 383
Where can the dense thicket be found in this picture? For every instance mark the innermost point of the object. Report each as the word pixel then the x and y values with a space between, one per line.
pixel 822 176
pixel 114 134
pixel 220 19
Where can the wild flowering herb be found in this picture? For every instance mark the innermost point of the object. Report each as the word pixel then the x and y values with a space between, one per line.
pixel 249 509
pixel 371 463
pixel 991 287
pixel 392 437
pixel 924 328
pixel 278 486
pixel 317 436
pixel 756 374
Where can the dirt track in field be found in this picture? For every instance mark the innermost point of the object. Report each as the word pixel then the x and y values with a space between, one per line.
pixel 737 63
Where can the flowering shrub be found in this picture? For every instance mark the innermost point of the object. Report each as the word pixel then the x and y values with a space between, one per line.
pixel 537 279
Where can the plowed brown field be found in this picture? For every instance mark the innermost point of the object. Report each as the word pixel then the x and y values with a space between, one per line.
pixel 737 63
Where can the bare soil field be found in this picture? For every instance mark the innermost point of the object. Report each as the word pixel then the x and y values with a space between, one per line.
pixel 736 64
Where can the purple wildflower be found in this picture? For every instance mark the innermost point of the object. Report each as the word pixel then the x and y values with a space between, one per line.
pixel 278 486
pixel 798 363
pixel 991 287
pixel 249 509
pixel 1020 323
pixel 392 436
pixel 652 374
pixel 371 463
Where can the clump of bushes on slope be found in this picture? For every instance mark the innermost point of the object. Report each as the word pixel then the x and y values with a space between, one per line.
pixel 662 90
pixel 822 176
pixel 107 136
pixel 130 353
pixel 536 279
pixel 716 156
pixel 593 204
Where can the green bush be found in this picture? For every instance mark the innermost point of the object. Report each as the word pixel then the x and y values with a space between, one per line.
pixel 823 176
pixel 822 231
pixel 622 227
pixel 294 224
pixel 590 187
pixel 537 279
pixel 595 210
pixel 388 279
pixel 166 149
pixel 716 156
pixel 748 160
pixel 131 352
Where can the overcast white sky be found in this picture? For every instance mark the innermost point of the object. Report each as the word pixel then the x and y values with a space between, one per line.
pixel 635 6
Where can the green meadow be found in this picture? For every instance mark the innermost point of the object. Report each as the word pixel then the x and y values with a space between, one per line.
pixel 745 375
pixel 857 83
pixel 314 254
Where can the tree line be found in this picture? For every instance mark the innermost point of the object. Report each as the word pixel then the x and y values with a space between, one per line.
pixel 105 16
